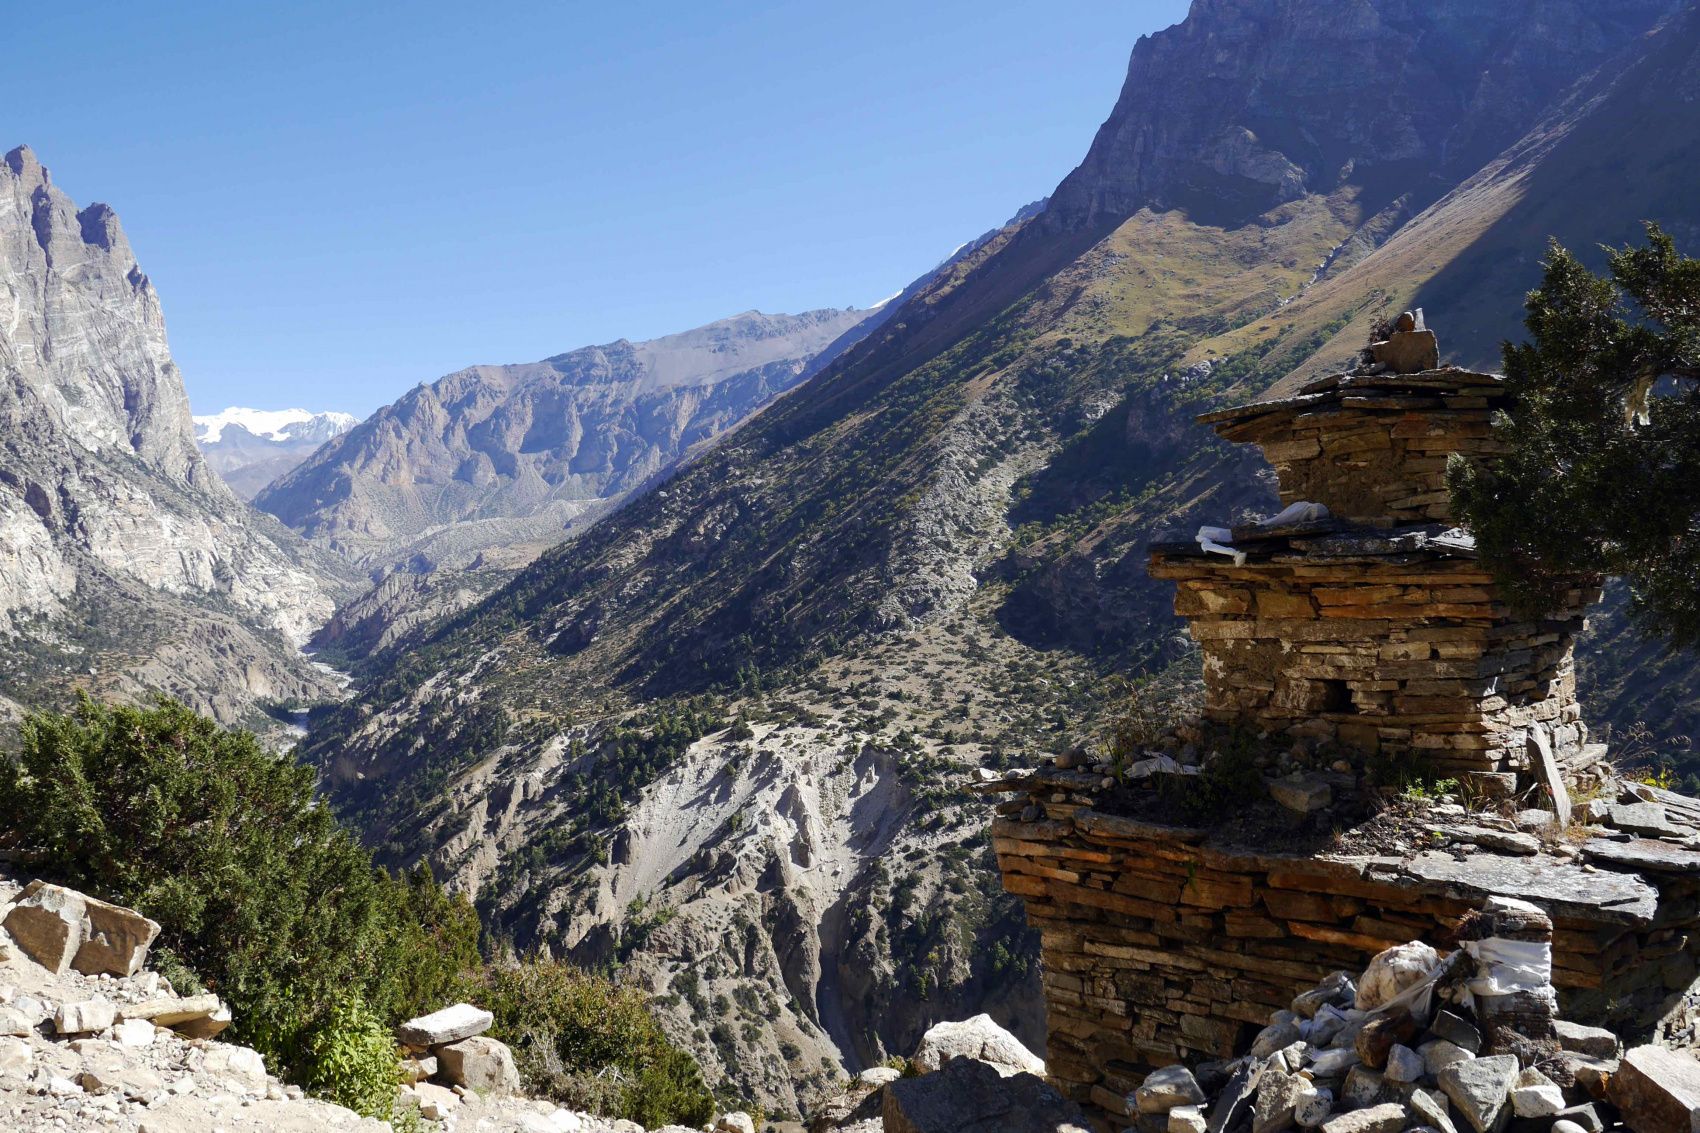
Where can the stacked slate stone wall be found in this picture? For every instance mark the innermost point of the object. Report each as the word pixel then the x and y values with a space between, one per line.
pixel 1158 947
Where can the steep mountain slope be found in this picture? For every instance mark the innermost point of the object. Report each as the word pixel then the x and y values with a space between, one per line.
pixel 494 456
pixel 125 563
pixel 923 560
pixel 249 448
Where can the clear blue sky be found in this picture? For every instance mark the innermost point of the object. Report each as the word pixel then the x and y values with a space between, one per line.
pixel 339 200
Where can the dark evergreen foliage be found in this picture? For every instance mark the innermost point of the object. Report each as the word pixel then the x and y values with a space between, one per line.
pixel 1603 472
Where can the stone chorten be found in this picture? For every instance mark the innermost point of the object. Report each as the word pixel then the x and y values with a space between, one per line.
pixel 1368 620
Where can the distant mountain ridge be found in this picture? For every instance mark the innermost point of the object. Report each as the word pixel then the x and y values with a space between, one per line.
pixel 126 564
pixel 499 456
pixel 250 448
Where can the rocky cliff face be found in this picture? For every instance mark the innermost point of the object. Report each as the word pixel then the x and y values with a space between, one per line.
pixel 1249 104
pixel 250 448
pixel 935 548
pixel 505 455
pixel 125 563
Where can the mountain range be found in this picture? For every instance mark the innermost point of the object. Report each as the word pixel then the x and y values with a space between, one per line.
pixel 718 737
pixel 249 448
pixel 511 459
pixel 676 654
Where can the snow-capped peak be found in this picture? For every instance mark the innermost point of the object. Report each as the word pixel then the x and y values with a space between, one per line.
pixel 273 424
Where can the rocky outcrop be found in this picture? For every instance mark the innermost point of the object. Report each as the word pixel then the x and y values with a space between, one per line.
pixel 125 563
pixel 249 448
pixel 1246 105
pixel 521 454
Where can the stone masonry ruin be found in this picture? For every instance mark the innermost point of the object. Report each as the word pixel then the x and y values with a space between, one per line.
pixel 1355 631
pixel 1360 615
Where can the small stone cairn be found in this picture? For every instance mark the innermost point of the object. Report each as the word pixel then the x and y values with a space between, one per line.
pixel 1419 1042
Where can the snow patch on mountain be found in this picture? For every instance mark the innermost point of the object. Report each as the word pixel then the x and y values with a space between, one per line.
pixel 273 424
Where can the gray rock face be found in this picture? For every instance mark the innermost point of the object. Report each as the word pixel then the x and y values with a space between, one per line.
pixel 1248 104
pixel 118 539
pixel 518 454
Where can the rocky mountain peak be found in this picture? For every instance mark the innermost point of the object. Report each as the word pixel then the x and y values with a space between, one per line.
pixel 1247 104
pixel 132 566
pixel 65 273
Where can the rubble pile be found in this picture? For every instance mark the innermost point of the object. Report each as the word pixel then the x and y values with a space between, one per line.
pixel 1468 1042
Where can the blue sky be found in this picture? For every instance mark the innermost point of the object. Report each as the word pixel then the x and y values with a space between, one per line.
pixel 339 200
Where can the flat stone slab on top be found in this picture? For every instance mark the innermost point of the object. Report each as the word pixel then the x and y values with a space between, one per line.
pixel 1557 886
pixel 451 1024
pixel 1642 854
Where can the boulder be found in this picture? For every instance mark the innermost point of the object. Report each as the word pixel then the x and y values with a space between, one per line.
pixel 1278 1097
pixel 1315 1106
pixel 1364 1087
pixel 435 1102
pixel 1404 1065
pixel 14 1022
pixel 877 1076
pixel 1430 1108
pixel 115 940
pixel 236 1065
pixel 1388 1117
pixel 1480 1089
pixel 479 1063
pixel 1187 1119
pixel 418 1069
pixel 63 930
pixel 1392 971
pixel 979 1039
pixel 1380 1035
pixel 1657 1090
pixel 450 1025
pixel 1457 1030
pixel 1167 1088
pixel 1596 1041
pixel 46 923
pixel 1440 1054
pixel 1276 1036
pixel 134 1033
pixel 969 1096
pixel 735 1122
pixel 1536 1095
pixel 85 1017
pixel 15 1056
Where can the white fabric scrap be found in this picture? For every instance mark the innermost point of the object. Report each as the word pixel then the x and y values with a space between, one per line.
pixel 1218 541
pixel 1506 966
pixel 1301 512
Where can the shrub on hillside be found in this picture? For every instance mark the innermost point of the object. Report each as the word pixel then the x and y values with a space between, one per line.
pixel 591 1044
pixel 352 1059
pixel 256 888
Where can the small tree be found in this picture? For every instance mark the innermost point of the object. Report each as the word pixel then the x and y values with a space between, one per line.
pixel 1602 476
